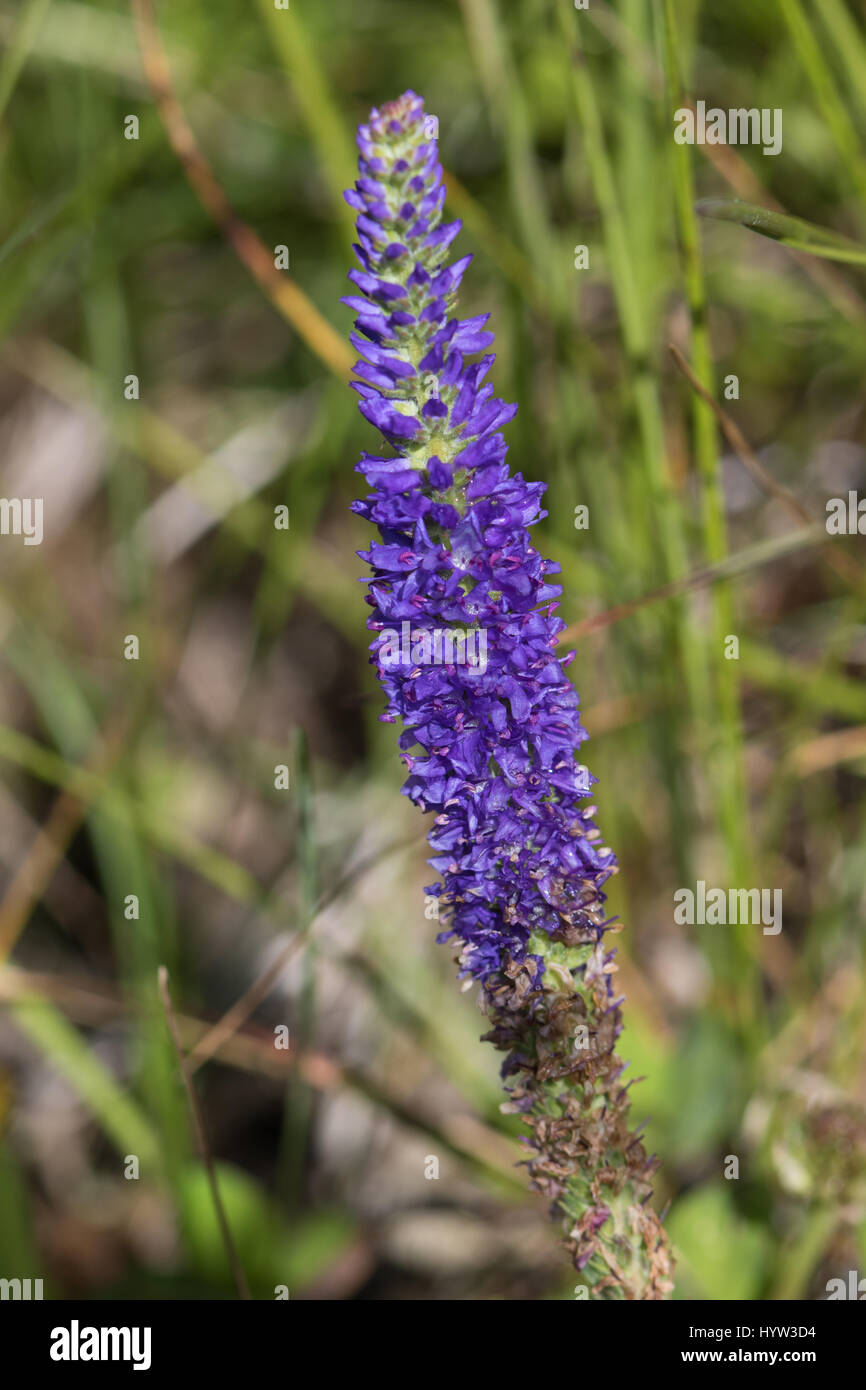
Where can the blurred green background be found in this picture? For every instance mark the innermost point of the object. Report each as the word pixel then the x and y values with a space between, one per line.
pixel 143 819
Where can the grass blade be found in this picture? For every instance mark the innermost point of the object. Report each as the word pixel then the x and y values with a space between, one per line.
pixel 116 1112
pixel 792 232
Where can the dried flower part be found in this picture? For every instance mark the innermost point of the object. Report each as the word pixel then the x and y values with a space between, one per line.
pixel 564 1078
pixel 465 644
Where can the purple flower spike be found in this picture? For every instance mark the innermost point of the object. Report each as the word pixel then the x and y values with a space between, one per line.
pixel 466 630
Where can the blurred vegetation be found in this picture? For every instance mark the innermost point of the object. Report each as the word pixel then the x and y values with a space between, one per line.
pixel 155 777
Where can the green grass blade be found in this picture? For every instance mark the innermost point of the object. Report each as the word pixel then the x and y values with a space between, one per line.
pixel 118 1115
pixel 23 39
pixel 792 232
pixel 830 100
pixel 723 734
pixel 310 85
